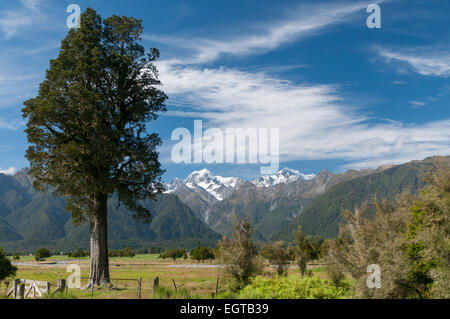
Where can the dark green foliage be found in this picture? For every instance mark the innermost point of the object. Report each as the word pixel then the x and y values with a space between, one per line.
pixel 277 255
pixel 79 253
pixel 126 252
pixel 42 253
pixel 88 125
pixel 6 268
pixel 173 254
pixel 408 239
pixel 43 221
pixel 253 203
pixel 202 253
pixel 323 216
pixel 239 255
pixel 307 248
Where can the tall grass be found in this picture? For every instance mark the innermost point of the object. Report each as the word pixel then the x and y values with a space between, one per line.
pixel 165 293
pixel 294 287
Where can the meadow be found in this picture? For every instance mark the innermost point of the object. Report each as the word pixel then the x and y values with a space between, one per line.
pixel 192 279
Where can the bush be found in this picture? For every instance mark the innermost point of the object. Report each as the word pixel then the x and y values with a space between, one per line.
pixel 6 268
pixel 79 254
pixel 294 287
pixel 202 253
pixel 142 251
pixel 173 254
pixel 42 253
pixel 127 252
pixel 277 255
pixel 239 256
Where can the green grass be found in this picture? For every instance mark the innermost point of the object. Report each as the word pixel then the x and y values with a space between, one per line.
pixel 293 287
pixel 192 283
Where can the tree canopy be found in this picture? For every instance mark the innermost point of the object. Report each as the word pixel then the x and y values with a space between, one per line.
pixel 88 125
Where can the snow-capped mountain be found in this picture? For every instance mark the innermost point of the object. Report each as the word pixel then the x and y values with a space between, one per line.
pixel 286 175
pixel 221 187
pixel 217 186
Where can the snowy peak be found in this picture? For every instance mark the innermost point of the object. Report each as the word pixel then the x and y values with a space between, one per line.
pixel 286 175
pixel 221 187
pixel 217 186
pixel 170 187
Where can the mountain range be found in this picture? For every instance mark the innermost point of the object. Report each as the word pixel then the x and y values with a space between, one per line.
pixel 202 208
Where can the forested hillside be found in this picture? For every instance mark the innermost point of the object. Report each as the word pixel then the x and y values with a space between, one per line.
pixel 29 219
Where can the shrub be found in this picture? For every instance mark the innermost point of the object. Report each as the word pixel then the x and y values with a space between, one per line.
pixel 128 252
pixel 293 287
pixel 202 253
pixel 42 253
pixel 173 254
pixel 308 248
pixel 239 255
pixel 277 255
pixel 6 268
pixel 79 254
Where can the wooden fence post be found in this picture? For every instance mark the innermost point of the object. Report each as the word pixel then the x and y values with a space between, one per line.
pixel 173 280
pixel 61 286
pixel 21 291
pixel 139 287
pixel 47 288
pixel 155 284
pixel 217 284
pixel 15 288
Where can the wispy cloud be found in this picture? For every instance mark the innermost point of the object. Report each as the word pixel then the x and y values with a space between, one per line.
pixel 425 61
pixel 11 124
pixel 304 21
pixel 417 104
pixel 16 87
pixel 315 121
pixel 27 14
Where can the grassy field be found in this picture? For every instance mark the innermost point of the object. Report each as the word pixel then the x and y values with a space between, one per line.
pixel 192 282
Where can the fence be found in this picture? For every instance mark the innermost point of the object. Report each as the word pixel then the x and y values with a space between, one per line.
pixel 119 284
pixel 24 288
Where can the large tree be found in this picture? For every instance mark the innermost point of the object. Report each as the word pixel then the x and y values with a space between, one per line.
pixel 88 126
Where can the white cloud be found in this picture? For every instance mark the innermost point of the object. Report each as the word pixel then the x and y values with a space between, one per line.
pixel 425 61
pixel 315 121
pixel 304 21
pixel 9 171
pixel 417 104
pixel 12 21
pixel 12 124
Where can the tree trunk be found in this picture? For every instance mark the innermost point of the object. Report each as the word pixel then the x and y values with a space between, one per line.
pixel 99 275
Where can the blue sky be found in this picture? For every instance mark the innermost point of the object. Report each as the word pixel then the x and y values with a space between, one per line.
pixel 343 95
